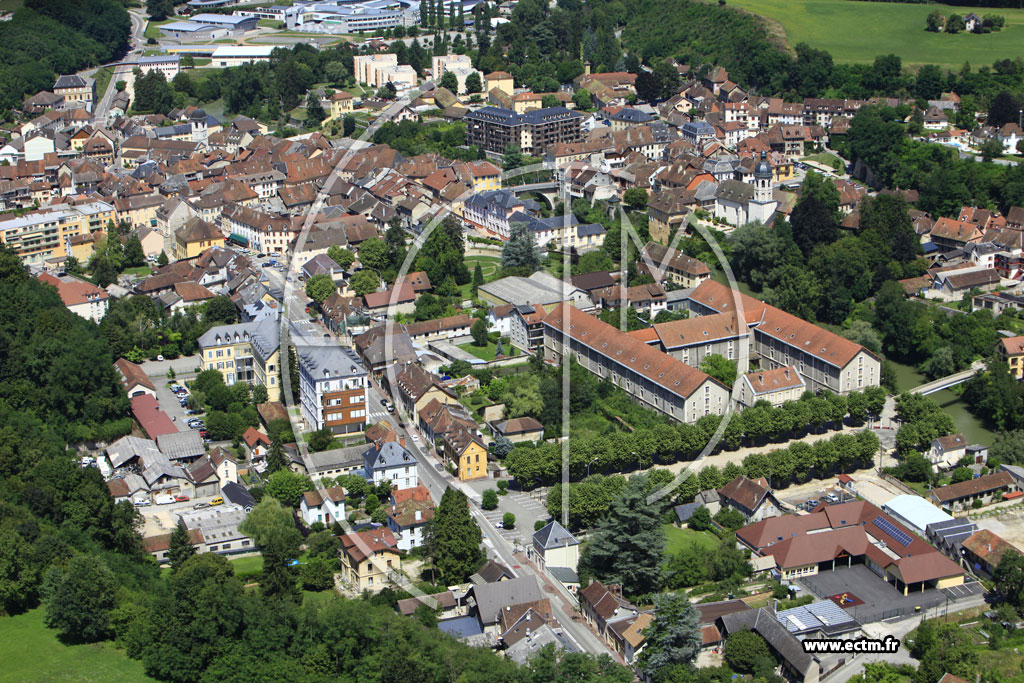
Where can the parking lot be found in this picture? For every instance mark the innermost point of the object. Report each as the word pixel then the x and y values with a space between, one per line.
pixel 171 405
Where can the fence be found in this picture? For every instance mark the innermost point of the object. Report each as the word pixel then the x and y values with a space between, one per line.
pixel 897 483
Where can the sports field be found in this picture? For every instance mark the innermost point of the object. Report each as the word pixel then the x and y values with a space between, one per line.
pixel 859 31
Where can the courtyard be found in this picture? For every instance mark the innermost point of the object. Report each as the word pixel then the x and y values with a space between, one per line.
pixel 878 599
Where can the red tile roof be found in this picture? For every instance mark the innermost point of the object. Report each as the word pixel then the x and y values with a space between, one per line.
pixel 132 375
pixel 667 372
pixel 73 291
pixel 364 544
pixel 971 487
pixel 799 540
pixel 153 420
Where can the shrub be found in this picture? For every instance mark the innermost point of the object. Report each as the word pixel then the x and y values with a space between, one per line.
pixel 508 520
pixel 502 487
pixel 489 499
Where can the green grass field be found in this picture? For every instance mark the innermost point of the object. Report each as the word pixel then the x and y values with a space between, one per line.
pixel 250 566
pixel 153 28
pixel 31 652
pixel 487 352
pixel 489 266
pixel 676 539
pixel 859 31
pixel 102 77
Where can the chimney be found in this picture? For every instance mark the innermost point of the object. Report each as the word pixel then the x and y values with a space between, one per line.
pixel 787 373
pixel 586 68
pixel 401 441
pixel 760 378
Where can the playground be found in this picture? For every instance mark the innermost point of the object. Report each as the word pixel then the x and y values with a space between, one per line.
pixel 845 600
pixel 867 596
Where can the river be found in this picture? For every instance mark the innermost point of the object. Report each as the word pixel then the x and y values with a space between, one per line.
pixel 907 377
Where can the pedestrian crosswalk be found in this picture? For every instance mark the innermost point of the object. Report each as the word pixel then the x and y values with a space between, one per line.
pixel 376 416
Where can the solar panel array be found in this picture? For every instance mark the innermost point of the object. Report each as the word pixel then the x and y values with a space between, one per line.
pixel 888 527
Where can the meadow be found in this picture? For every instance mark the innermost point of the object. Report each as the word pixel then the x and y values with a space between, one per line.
pixel 857 32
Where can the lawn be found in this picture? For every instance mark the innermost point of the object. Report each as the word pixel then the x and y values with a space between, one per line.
pixel 11 5
pixel 153 28
pixel 102 77
pixel 31 652
pixel 248 566
pixel 143 271
pixel 676 539
pixel 860 31
pixel 487 352
pixel 489 266
pixel 825 158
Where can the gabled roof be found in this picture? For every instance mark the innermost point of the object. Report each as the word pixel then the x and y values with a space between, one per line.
pixel 746 492
pixel 492 598
pixel 660 368
pixel 976 486
pixel 133 375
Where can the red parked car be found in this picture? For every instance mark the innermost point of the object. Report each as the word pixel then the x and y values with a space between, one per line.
pixel 181 499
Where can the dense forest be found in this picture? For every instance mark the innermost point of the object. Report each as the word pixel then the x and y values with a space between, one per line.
pixel 46 38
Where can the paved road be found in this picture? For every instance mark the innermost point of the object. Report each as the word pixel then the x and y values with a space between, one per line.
pixel 500 544
pixel 122 72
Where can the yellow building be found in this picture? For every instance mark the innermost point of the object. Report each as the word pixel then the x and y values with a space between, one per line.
pixel 469 451
pixel 370 559
pixel 195 237
pixel 1011 350
pixel 45 234
pixel 502 80
pixel 486 176
pixel 244 352
pixel 341 103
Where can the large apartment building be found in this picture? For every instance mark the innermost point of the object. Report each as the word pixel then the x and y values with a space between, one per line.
pixel 332 389
pixel 45 234
pixel 244 352
pixel 379 69
pixel 654 379
pixel 494 129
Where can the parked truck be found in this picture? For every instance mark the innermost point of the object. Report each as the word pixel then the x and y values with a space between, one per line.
pixel 164 499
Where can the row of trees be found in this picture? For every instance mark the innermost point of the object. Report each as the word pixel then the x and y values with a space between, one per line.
pixel 662 442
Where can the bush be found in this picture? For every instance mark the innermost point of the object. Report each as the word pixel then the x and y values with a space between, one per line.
pixel 489 499
pixel 502 487
pixel 539 524
pixel 977 504
pixel 508 520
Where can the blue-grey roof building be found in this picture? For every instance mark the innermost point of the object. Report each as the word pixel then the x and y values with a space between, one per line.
pixel 391 462
pixel 495 129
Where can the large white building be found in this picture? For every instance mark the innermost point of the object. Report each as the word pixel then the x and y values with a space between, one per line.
pixel 379 69
pixel 332 389
pixel 168 65
pixel 236 55
pixel 460 65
